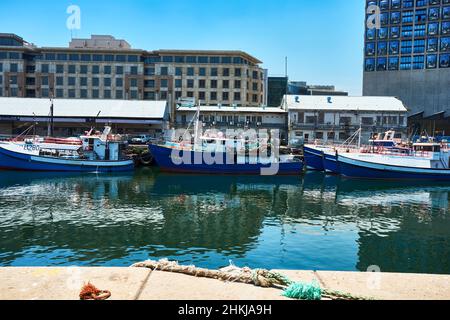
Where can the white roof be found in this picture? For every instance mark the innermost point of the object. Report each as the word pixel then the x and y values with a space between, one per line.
pixel 81 108
pixel 232 109
pixel 299 102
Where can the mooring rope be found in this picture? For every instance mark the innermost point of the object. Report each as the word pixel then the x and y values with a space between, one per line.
pixel 258 277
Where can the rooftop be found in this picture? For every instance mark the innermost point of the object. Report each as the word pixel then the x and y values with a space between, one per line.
pixel 79 108
pixel 232 109
pixel 344 103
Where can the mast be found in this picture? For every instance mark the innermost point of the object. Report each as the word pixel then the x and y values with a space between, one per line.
pixel 197 125
pixel 50 125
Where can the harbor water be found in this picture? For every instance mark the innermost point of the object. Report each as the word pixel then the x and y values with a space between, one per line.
pixel 312 222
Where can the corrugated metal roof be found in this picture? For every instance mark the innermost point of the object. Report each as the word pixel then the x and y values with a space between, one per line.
pixel 73 108
pixel 232 109
pixel 299 102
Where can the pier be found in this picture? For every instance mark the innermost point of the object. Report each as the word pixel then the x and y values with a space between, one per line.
pixel 29 283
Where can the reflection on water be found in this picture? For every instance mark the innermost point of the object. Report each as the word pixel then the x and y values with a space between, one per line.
pixel 310 222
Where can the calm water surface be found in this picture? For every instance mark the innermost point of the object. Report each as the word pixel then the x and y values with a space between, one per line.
pixel 310 222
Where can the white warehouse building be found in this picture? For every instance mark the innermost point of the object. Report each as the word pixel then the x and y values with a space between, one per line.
pixel 335 119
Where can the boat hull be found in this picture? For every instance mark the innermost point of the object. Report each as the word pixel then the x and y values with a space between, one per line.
pixel 10 160
pixel 163 158
pixel 354 168
pixel 330 163
pixel 313 158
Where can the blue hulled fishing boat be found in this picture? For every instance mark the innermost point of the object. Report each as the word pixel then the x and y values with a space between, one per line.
pixel 94 153
pixel 214 154
pixel 426 161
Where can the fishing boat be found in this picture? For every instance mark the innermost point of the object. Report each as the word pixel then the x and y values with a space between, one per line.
pixel 425 161
pixel 93 153
pixel 216 154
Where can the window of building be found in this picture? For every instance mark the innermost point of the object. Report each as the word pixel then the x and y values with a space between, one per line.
pixel 190 72
pixel 59 81
pixel 59 68
pixel 72 69
pixel 370 34
pixel 59 93
pixel 214 72
pixel 382 48
pixel 44 81
pixel 202 83
pixel 97 57
pixel 50 56
pixel 407 31
pixel 86 57
pixel 178 71
pixel 446 13
pixel 191 59
pixel 119 82
pixel 72 93
pixel 214 60
pixel 95 94
pixel 237 72
pixel 395 17
pixel 133 58
pixel 150 95
pixel 107 69
pixel 83 81
pixel 370 49
pixel 237 84
pixel 119 58
pixel 119 94
pixel 44 68
pixel 419 46
pixel 445 44
pixel 134 70
pixel 107 94
pixel 1 79
pixel 95 82
pixel 237 96
pixel 405 63
pixel 433 14
pixel 167 59
pixel 190 83
pixel 383 33
pixel 420 30
pixel 444 60
pixel 164 71
pixel 432 45
pixel 149 83
pixel 393 63
pixel 445 27
pixel 163 95
pixel 95 69
pixel 133 82
pixel 418 62
pixel 119 70
pixel 431 61
pixel 226 72
pixel 202 59
pixel 83 93
pixel 178 83
pixel 61 57
pixel 74 57
pixel 381 64
pixel 406 46
pixel 421 16
pixel 45 93
pixel 164 83
pixel 433 29
pixel 407 16
pixel 395 32
pixel 226 84
pixel 13 67
pixel 255 86
pixel 225 96
pixel 202 72
pixel 107 82
pixel 72 81
pixel 393 47
pixel 213 96
pixel 149 71
pixel 133 94
pixel 83 69
pixel 214 84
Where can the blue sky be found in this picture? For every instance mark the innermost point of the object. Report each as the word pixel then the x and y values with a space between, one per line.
pixel 323 39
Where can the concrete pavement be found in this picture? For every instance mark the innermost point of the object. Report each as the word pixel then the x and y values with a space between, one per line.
pixel 144 284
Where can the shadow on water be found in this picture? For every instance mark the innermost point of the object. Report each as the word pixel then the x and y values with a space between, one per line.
pixel 312 221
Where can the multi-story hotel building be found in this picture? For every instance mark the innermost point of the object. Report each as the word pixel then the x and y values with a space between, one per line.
pixel 409 57
pixel 106 68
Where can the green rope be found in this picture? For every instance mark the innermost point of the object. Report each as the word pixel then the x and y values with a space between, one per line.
pixel 303 291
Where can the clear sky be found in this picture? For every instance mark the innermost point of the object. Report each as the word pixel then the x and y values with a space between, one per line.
pixel 323 39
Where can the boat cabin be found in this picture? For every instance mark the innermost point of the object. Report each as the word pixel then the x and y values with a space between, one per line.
pixel 101 147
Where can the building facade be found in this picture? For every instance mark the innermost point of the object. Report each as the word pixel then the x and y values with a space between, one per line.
pixel 409 57
pixel 336 118
pixel 107 68
pixel 244 118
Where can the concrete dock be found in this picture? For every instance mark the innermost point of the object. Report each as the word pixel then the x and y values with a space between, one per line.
pixel 144 284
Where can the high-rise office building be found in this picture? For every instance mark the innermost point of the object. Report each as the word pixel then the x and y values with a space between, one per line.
pixel 408 56
pixel 103 67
